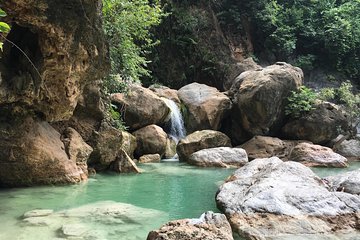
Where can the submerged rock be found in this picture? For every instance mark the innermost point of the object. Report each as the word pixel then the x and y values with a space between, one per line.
pixel 271 199
pixel 141 107
pixel 313 155
pixel 210 226
pixel 259 98
pixel 206 106
pixel 219 157
pixel 201 140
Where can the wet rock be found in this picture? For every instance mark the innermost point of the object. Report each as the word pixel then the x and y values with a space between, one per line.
pixel 124 164
pixel 347 182
pixel 170 151
pixel 201 140
pixel 165 92
pixel 313 155
pixel 74 230
pixel 206 106
pixel 270 199
pixel 349 149
pixel 319 126
pixel 66 54
pixel 140 107
pixel 150 140
pixel 32 153
pixel 110 144
pixel 219 157
pixel 150 158
pixel 76 148
pixel 259 97
pixel 210 226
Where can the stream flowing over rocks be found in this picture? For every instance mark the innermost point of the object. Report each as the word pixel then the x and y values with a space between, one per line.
pixel 272 199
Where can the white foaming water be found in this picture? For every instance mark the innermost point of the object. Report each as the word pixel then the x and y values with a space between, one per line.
pixel 177 128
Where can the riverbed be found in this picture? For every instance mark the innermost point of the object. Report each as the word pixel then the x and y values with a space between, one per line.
pixel 123 207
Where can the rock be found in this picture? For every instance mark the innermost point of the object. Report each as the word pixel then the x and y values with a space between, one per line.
pixel 67 53
pixel 165 92
pixel 315 155
pixel 259 98
pixel 210 226
pixel 247 64
pixel 150 140
pixel 268 199
pixel 150 158
pixel 206 106
pixel 109 145
pixel 170 151
pixel 38 213
pixel 347 182
pixel 349 149
pixel 141 107
pixel 74 230
pixel 219 157
pixel 201 140
pixel 32 153
pixel 265 147
pixel 76 148
pixel 124 164
pixel 319 126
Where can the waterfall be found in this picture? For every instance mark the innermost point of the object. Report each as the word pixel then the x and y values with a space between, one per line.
pixel 177 128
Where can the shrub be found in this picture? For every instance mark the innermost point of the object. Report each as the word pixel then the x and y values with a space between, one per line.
pixel 300 102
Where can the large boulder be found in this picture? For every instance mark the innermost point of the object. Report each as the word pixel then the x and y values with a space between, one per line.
pixel 150 158
pixel 76 148
pixel 266 147
pixel 206 106
pixel 109 145
pixel 219 157
pixel 66 53
pixel 32 153
pixel 150 140
pixel 313 155
pixel 349 148
pixel 320 125
pixel 210 226
pixel 140 107
pixel 201 140
pixel 346 182
pixel 259 97
pixel 124 164
pixel 271 199
pixel 165 92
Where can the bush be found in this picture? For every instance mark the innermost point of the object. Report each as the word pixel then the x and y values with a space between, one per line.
pixel 300 102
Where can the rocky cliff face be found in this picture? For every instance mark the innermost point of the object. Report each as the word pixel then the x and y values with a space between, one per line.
pixel 55 48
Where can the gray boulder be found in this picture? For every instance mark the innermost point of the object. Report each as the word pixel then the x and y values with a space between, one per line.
pixel 349 149
pixel 313 155
pixel 206 106
pixel 347 182
pixel 219 157
pixel 201 140
pixel 259 98
pixel 210 226
pixel 271 199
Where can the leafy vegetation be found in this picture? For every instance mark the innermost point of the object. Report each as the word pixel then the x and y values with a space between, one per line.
pixel 323 32
pixel 300 102
pixel 127 26
pixel 4 27
pixel 116 119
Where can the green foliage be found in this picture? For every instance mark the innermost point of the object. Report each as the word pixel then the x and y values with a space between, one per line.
pixel 300 102
pixel 115 84
pixel 305 62
pixel 127 27
pixel 344 96
pixel 116 119
pixel 4 27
